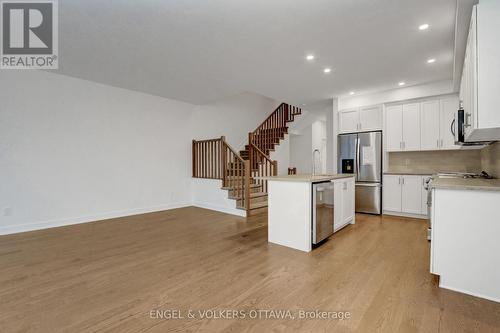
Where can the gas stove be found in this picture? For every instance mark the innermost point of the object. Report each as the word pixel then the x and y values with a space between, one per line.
pixel 465 175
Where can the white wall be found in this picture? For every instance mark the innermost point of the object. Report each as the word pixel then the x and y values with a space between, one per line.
pixel 395 95
pixel 234 117
pixel 334 121
pixel 331 137
pixel 282 155
pixel 300 151
pixel 75 151
pixel 309 132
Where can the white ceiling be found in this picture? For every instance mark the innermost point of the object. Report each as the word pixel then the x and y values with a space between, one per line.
pixel 200 51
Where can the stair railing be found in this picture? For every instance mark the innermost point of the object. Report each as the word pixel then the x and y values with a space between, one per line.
pixel 266 134
pixel 260 165
pixel 216 159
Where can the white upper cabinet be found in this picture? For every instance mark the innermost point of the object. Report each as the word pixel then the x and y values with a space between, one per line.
pixel 448 109
pixel 480 81
pixel 402 127
pixel 394 128
pixel 370 118
pixel 348 121
pixel 426 125
pixel 437 118
pixel 411 126
pixel 360 119
pixel 429 129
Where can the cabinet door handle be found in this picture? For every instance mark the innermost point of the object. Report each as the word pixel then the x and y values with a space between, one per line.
pixel 403 179
pixel 399 180
pixel 437 142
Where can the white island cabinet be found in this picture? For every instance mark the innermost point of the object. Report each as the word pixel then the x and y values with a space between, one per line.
pixel 290 207
pixel 465 247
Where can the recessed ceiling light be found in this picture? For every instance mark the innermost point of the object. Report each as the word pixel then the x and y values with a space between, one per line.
pixel 401 83
pixel 310 57
pixel 430 61
pixel 423 27
pixel 351 93
pixel 327 70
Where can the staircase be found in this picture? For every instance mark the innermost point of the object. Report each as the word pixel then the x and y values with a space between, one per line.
pixel 241 173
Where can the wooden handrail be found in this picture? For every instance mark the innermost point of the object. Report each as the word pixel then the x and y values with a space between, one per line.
pixel 233 150
pixel 216 159
pixel 272 129
pixel 261 153
pixel 270 116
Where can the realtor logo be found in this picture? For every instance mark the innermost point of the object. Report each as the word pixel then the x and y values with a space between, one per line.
pixel 29 34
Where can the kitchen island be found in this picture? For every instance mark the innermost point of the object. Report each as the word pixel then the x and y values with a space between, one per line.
pixel 292 208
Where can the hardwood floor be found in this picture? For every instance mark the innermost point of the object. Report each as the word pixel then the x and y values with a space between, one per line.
pixel 107 276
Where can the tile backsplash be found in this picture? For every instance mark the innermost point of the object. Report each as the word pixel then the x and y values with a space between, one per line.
pixel 436 161
pixel 490 159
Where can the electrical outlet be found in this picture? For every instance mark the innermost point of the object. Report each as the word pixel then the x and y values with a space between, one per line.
pixel 7 211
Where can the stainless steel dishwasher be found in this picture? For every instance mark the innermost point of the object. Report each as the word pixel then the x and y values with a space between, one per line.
pixel 322 211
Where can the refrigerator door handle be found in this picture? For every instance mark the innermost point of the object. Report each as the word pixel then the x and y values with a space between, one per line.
pixel 357 158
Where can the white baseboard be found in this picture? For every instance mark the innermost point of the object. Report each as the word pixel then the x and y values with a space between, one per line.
pixel 415 216
pixel 227 210
pixel 489 298
pixel 14 229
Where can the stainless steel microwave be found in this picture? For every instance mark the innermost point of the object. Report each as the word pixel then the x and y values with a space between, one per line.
pixel 458 130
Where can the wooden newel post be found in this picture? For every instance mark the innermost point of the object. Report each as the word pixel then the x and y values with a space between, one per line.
pixel 223 160
pixel 193 152
pixel 246 194
pixel 275 168
pixel 250 146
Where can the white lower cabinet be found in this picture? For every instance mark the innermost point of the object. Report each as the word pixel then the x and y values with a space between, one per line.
pixel 403 194
pixel 411 194
pixel 344 203
pixel 391 193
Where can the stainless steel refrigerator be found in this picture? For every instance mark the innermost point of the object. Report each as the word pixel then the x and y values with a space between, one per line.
pixel 361 155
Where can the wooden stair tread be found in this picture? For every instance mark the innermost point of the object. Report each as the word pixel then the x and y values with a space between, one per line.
pixel 252 195
pixel 258 205
pixel 230 188
pixel 254 206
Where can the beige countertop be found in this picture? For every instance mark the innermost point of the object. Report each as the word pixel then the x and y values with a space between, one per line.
pixel 408 173
pixel 466 184
pixel 307 178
